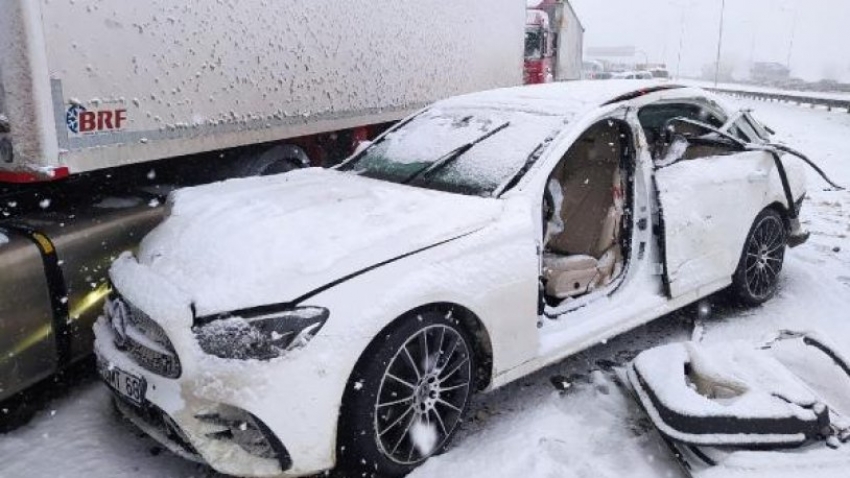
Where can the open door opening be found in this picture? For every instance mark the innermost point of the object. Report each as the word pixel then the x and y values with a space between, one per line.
pixel 585 217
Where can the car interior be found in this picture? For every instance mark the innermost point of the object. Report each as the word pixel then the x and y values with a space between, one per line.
pixel 670 141
pixel 584 234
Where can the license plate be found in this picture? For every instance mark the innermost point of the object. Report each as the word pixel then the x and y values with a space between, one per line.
pixel 127 385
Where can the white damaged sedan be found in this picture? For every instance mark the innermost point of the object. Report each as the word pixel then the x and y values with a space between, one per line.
pixel 283 325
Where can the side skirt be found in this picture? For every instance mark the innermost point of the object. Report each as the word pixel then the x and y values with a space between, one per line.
pixel 578 342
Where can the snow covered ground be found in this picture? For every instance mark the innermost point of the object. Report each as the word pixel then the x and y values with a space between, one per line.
pixel 529 428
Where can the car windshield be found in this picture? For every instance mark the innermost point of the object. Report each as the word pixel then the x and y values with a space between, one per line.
pixel 533 43
pixel 463 151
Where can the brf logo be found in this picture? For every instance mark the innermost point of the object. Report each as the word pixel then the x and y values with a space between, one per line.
pixel 80 120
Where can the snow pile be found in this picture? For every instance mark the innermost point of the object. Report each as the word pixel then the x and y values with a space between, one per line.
pixel 3 239
pixel 821 463
pixel 592 430
pixel 82 436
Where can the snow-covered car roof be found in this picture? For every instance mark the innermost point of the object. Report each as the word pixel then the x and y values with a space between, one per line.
pixel 563 99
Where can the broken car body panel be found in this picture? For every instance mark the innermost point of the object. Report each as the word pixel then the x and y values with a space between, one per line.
pixel 735 409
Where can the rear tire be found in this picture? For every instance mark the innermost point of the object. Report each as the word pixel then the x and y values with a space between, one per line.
pixel 756 279
pixel 407 395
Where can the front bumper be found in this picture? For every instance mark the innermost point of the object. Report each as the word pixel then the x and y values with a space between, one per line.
pixel 294 401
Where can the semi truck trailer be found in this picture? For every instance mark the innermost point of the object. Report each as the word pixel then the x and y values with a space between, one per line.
pixel 91 88
pixel 554 42
pixel 94 84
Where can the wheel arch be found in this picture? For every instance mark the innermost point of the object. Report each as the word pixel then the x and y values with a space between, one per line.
pixel 783 213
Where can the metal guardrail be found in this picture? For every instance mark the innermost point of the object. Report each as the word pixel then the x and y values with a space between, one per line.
pixel 813 101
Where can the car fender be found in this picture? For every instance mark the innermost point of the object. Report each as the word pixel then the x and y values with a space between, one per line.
pixel 493 273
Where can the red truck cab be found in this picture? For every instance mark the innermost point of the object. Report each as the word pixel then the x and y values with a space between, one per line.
pixel 539 48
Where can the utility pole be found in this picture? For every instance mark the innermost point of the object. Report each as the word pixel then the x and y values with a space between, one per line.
pixel 719 43
pixel 684 6
pixel 793 34
pixel 681 45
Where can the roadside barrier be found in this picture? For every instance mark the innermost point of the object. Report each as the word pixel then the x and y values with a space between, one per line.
pixel 799 99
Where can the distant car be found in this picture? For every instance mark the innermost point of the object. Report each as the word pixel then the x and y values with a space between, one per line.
pixel 600 75
pixel 633 75
pixel 659 73
pixel 280 326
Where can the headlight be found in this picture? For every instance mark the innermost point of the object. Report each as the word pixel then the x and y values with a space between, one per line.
pixel 261 337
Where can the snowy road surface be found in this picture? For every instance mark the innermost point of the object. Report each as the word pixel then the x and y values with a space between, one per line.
pixel 528 428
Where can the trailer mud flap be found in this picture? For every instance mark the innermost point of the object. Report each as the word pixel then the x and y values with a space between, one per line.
pixel 57 288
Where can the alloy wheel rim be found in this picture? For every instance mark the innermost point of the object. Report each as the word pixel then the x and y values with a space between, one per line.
pixel 765 253
pixel 423 393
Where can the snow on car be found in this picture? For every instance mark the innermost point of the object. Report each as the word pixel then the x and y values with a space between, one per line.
pixel 279 326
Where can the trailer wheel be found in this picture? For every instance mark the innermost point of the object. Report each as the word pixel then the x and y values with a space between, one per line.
pixel 407 395
pixel 280 167
pixel 756 279
pixel 276 160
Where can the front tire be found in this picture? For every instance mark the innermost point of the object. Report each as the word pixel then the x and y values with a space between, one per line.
pixel 756 279
pixel 407 395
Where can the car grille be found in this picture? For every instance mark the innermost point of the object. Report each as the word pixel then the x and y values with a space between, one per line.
pixel 144 340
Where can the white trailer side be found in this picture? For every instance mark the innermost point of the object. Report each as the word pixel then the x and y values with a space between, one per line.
pixel 25 106
pixel 93 84
pixel 570 45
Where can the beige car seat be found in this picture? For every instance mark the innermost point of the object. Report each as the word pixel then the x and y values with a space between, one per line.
pixel 586 253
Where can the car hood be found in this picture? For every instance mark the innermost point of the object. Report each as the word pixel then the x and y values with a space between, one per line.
pixel 261 241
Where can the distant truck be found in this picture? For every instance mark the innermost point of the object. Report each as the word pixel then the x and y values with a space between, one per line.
pixel 767 73
pixel 554 42
pixel 95 86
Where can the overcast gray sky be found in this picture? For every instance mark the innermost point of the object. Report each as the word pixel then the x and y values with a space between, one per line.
pixel 755 30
